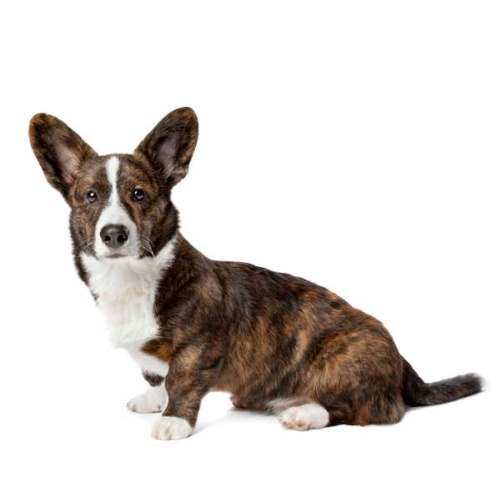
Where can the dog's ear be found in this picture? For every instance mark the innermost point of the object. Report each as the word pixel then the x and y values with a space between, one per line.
pixel 170 145
pixel 59 150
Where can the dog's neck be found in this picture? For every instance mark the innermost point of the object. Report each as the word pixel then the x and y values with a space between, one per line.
pixel 126 290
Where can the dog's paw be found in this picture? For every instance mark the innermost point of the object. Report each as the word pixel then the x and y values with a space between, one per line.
pixel 166 428
pixel 304 417
pixel 151 401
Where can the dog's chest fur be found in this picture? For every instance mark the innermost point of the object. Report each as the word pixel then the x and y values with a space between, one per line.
pixel 126 295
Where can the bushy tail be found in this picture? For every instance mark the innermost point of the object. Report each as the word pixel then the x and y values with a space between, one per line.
pixel 417 393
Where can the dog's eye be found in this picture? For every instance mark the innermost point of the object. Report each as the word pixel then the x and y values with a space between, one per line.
pixel 138 194
pixel 91 196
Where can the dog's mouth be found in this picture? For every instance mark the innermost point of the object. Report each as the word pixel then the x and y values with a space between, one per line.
pixel 115 255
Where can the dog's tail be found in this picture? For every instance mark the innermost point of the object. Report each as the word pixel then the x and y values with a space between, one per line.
pixel 417 393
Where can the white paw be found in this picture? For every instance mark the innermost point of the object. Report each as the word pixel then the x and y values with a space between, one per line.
pixel 151 401
pixel 166 428
pixel 305 417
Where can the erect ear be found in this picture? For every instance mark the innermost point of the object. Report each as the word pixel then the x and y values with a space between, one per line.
pixel 170 145
pixel 59 150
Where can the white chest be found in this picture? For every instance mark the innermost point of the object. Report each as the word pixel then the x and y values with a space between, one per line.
pixel 126 300
pixel 126 293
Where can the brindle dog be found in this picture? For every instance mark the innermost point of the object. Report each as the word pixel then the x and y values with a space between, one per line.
pixel 274 341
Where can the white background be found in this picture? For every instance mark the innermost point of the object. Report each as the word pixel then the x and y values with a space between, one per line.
pixel 353 143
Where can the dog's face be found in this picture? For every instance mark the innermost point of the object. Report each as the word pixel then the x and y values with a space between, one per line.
pixel 120 204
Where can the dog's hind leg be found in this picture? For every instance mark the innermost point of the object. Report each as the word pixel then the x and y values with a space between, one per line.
pixel 300 414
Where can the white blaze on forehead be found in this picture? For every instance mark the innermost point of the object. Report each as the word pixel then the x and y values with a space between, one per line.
pixel 114 213
pixel 112 167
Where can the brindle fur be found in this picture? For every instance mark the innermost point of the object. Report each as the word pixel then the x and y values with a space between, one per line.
pixel 260 335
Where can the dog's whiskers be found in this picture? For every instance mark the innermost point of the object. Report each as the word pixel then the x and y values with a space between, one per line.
pixel 147 246
pixel 87 246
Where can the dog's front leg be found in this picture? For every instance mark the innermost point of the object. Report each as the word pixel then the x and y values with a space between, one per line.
pixel 154 399
pixel 188 380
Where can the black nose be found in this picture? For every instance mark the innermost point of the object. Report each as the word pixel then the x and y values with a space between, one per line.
pixel 114 235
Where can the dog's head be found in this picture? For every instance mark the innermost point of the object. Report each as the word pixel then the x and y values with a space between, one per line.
pixel 120 204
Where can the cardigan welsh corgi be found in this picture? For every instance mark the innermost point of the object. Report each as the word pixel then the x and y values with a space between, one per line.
pixel 276 342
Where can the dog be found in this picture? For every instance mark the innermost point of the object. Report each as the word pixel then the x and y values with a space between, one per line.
pixel 276 342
